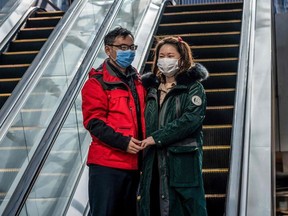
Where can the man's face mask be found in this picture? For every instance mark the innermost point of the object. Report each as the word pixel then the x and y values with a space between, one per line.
pixel 125 58
pixel 168 66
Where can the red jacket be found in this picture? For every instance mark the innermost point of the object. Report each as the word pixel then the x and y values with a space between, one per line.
pixel 111 118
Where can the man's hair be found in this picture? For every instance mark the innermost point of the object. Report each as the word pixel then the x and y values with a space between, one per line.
pixel 118 31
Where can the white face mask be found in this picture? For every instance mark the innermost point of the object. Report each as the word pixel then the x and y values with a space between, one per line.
pixel 168 66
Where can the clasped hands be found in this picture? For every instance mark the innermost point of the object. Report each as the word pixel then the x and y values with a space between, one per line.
pixel 135 145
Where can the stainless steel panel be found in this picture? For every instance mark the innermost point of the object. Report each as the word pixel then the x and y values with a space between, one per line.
pixel 259 170
pixel 281 36
pixel 259 196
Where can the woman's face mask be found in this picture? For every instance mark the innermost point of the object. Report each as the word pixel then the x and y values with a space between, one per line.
pixel 125 58
pixel 168 66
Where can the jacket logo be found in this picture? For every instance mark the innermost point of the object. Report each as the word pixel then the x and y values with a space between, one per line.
pixel 196 100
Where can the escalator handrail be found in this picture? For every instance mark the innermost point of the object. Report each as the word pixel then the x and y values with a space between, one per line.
pixel 233 195
pixel 14 18
pixel 16 28
pixel 14 103
pixel 40 155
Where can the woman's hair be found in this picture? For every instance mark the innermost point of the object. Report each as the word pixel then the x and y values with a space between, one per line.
pixel 186 60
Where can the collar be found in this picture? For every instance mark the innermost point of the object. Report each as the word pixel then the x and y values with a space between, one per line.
pixel 113 76
pixel 116 72
pixel 166 86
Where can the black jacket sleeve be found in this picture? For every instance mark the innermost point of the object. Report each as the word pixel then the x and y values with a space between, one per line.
pixel 106 134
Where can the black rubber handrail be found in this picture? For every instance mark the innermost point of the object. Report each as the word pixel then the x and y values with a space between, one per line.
pixel 13 104
pixel 17 27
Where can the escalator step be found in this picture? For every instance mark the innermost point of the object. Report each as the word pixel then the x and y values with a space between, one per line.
pixel 215 51
pixel 209 51
pixel 199 7
pixel 208 15
pixel 26 45
pixel 219 115
pixel 13 71
pixel 44 182
pixel 9 175
pixel 216 157
pixel 20 153
pixel 196 27
pixel 220 80
pixel 33 116
pixel 3 98
pixel 212 65
pixel 49 13
pixel 212 38
pixel 220 97
pixel 28 33
pixel 215 180
pixel 42 22
pixel 215 204
pixel 7 85
pixel 217 135
pixel 18 57
pixel 220 65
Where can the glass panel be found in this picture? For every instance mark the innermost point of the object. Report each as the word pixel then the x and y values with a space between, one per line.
pixel 22 138
pixel 53 188
pixel 6 7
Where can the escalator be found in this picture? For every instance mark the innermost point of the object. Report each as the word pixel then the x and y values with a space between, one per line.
pixel 21 51
pixel 213 32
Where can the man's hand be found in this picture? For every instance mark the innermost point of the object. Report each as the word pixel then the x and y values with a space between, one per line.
pixel 148 141
pixel 134 146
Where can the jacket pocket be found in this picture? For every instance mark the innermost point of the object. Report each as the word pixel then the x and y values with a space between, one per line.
pixel 184 170
pixel 118 100
pixel 125 131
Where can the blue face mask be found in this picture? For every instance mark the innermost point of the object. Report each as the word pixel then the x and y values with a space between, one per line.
pixel 125 58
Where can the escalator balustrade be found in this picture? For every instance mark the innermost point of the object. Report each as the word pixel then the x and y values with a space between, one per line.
pixel 22 50
pixel 14 62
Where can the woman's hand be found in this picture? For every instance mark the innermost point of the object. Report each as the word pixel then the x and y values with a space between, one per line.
pixel 148 141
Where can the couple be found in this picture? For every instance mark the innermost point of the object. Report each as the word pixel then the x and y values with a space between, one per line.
pixel 152 124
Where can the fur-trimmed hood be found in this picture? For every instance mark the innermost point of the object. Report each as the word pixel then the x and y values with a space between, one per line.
pixel 196 73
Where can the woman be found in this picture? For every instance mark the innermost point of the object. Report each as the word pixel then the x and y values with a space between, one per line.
pixel 171 179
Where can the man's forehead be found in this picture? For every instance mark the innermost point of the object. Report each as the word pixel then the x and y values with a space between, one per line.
pixel 124 38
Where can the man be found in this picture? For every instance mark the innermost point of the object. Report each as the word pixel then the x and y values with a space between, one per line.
pixel 112 105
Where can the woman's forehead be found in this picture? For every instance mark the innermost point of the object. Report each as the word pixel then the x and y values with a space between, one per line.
pixel 168 48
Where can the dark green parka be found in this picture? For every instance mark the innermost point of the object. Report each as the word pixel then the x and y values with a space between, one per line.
pixel 176 127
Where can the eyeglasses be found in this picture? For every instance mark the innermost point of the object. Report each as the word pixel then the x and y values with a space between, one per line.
pixel 124 46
